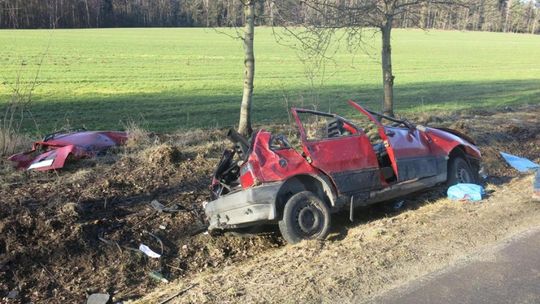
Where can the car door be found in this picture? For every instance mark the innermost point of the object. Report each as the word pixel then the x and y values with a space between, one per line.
pixel 412 153
pixel 408 148
pixel 345 154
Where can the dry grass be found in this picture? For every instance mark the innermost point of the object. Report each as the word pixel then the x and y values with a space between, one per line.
pixel 370 257
pixel 138 136
pixel 12 142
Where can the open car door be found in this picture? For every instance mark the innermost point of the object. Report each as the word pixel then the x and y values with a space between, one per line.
pixel 408 148
pixel 339 149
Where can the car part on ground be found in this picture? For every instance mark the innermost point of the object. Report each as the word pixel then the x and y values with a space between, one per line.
pixel 519 163
pixel 55 149
pixel 466 192
pixel 265 180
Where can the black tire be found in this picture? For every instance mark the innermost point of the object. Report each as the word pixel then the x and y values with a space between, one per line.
pixel 459 171
pixel 305 217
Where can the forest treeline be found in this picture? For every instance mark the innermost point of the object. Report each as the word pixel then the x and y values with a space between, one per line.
pixel 478 15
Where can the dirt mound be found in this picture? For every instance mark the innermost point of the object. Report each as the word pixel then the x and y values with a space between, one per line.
pixel 162 155
pixel 77 231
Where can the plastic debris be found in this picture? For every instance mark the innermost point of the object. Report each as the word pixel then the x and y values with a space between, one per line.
pixel 149 252
pixel 398 205
pixel 98 298
pixel 519 163
pixel 483 173
pixel 470 192
pixel 394 206
pixel 13 294
pixel 158 277
pixel 162 208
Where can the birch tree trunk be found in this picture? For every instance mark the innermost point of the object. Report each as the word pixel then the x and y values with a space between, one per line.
pixel 244 126
pixel 388 78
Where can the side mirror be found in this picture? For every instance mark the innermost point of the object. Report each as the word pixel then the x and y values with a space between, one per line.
pixel 389 133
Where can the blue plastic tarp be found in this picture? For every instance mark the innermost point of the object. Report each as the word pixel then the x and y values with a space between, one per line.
pixel 471 192
pixel 519 163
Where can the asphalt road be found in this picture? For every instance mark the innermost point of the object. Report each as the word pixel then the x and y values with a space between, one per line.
pixel 507 273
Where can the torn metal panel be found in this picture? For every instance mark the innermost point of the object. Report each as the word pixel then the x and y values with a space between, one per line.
pixel 55 149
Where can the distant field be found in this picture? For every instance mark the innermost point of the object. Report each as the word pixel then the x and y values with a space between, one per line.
pixel 169 79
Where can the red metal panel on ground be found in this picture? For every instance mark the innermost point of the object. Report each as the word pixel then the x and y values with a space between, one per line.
pixel 56 149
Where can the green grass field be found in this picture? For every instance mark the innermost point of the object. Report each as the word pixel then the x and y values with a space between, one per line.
pixel 169 79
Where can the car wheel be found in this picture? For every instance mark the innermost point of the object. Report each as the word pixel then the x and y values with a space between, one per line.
pixel 459 171
pixel 305 217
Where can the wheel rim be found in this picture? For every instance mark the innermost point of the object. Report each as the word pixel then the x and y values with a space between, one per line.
pixel 463 175
pixel 309 220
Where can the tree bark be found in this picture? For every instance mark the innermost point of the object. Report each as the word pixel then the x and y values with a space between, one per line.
pixel 388 78
pixel 507 15
pixel 244 126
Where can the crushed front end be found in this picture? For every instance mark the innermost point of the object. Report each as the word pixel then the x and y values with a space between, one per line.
pixel 248 179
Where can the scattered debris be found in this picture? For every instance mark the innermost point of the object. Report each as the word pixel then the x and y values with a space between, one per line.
pixel 162 208
pixel 483 173
pixel 99 298
pixel 519 163
pixel 392 206
pixel 467 192
pixel 158 277
pixel 13 294
pixel 397 205
pixel 149 252
pixel 30 201
pixel 55 149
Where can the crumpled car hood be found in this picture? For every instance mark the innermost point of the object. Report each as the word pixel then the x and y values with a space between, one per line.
pixel 53 151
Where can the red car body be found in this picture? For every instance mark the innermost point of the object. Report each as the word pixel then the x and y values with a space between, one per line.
pixel 344 168
pixel 54 150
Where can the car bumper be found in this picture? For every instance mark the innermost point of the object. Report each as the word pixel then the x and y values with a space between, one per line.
pixel 243 208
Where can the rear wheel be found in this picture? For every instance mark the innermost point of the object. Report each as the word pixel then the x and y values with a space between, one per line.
pixel 305 217
pixel 459 171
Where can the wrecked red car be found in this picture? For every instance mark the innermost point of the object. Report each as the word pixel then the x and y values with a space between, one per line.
pixel 55 149
pixel 337 166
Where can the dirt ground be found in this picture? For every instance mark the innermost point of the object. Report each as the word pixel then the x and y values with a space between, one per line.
pixel 72 233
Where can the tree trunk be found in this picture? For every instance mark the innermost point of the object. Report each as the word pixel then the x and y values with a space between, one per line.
pixel 87 14
pixel 244 126
pixel 424 16
pixel 388 78
pixel 536 15
pixel 507 15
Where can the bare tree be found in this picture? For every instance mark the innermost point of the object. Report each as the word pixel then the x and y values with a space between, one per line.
pixel 353 16
pixel 491 15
